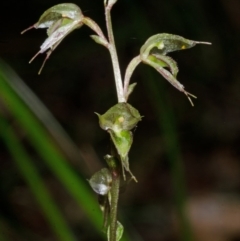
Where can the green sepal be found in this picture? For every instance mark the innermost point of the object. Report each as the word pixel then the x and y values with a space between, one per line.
pixel 165 61
pixel 63 10
pixel 121 116
pixel 123 141
pixel 164 43
pixel 157 64
pixel 152 61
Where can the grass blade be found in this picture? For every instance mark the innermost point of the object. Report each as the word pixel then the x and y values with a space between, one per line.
pixel 35 183
pixel 50 153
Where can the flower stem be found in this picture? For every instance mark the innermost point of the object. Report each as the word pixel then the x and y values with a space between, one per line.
pixel 121 98
pixel 113 164
pixel 114 206
pixel 114 57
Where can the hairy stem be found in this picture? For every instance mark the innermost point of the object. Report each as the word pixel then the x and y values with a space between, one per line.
pixel 114 206
pixel 114 57
pixel 121 98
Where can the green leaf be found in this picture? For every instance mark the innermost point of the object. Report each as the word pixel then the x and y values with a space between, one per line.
pixel 60 20
pixel 164 43
pixel 119 231
pixel 101 181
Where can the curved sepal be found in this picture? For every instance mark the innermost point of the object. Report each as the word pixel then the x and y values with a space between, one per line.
pixel 166 61
pixel 121 116
pixel 63 10
pixel 154 62
pixel 164 43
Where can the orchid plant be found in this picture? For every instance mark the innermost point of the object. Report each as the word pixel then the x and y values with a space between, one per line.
pixel 120 119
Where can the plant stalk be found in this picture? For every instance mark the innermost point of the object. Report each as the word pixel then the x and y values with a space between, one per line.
pixel 121 98
pixel 113 54
pixel 114 205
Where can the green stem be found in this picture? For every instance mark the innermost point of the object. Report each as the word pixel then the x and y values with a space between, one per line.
pixel 114 194
pixel 121 98
pixel 114 57
pixel 114 206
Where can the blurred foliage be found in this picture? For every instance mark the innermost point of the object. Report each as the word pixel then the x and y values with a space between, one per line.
pixel 174 145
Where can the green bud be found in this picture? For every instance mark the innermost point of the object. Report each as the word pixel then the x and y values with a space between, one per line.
pixel 101 181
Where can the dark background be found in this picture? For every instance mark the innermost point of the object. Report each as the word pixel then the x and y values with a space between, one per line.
pixel 77 81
